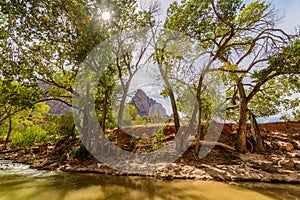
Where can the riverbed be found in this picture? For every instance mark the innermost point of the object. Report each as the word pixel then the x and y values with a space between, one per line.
pixel 19 182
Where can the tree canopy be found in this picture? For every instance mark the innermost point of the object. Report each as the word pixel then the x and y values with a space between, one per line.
pixel 225 42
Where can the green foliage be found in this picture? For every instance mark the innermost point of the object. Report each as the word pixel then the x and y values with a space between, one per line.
pixel 274 96
pixel 45 42
pixel 16 97
pixel 296 115
pixel 28 136
pixel 139 120
pixel 128 115
pixel 156 118
pixel 58 126
pixel 132 111
pixel 158 138
pixel 25 122
pixel 252 12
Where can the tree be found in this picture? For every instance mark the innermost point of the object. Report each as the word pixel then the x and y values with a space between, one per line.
pixel 239 39
pixel 161 58
pixel 15 98
pixel 45 42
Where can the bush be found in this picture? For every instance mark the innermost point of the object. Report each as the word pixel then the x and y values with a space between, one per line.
pixel 66 125
pixel 139 120
pixel 158 138
pixel 29 136
pixel 60 125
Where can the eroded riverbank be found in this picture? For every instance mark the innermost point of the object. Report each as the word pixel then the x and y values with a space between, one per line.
pixel 20 182
pixel 219 165
pixel 280 163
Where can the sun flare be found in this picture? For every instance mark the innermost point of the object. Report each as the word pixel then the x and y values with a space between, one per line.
pixel 106 15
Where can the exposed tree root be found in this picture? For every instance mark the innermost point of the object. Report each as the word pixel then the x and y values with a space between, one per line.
pixel 218 144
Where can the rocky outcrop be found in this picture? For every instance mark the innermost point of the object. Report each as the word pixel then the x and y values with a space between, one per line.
pixel 157 109
pixel 147 106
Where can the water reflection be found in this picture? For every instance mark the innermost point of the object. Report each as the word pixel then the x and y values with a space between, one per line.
pixel 20 182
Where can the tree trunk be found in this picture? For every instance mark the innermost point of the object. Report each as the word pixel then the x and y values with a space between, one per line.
pixel 120 114
pixel 258 141
pixel 182 141
pixel 120 121
pixel 174 109
pixel 199 130
pixel 104 110
pixel 171 95
pixel 242 127
pixel 87 121
pixel 8 133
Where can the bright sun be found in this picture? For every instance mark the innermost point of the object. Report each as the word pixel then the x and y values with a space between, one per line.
pixel 106 15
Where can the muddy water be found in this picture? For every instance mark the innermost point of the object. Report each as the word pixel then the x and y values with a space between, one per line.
pixel 18 182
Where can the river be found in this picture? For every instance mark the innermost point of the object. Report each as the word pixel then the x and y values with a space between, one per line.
pixel 19 182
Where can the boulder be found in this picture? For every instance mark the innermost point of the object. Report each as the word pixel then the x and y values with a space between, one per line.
pixel 285 146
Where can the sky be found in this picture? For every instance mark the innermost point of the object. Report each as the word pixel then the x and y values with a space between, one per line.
pixel 289 9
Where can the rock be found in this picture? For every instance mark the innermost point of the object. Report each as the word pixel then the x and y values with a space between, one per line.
pixel 264 130
pixel 296 135
pixel 145 104
pixel 275 146
pixel 294 154
pixel 251 157
pixel 269 168
pixel 269 144
pixel 285 146
pixel 43 163
pixel 64 157
pixel 297 152
pixel 289 164
pixel 297 145
pixel 157 110
pixel 289 147
pixel 53 166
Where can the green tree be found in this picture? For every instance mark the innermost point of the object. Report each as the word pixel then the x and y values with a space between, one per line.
pixel 15 98
pixel 43 43
pixel 239 40
pixel 23 123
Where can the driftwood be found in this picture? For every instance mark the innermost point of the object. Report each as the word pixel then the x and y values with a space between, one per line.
pixel 218 144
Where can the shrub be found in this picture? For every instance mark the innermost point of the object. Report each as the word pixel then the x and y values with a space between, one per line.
pixel 29 136
pixel 60 125
pixel 139 120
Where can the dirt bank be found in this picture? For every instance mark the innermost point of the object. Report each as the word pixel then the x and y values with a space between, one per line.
pixel 280 163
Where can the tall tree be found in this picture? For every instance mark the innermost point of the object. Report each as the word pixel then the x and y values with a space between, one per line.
pixel 239 40
pixel 44 43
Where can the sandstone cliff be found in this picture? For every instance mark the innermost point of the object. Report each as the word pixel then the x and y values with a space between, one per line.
pixel 147 106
